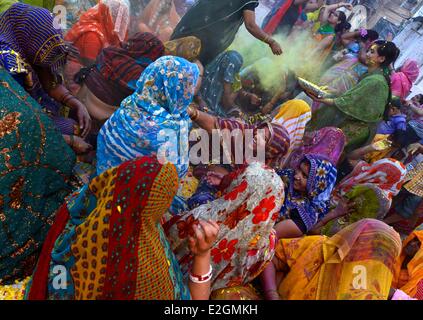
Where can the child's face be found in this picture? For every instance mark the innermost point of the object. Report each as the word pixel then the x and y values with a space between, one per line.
pixel 393 111
pixel 301 176
pixel 412 248
pixel 415 100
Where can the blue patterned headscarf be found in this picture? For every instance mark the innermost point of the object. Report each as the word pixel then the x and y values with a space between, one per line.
pixel 30 32
pixel 320 183
pixel 223 69
pixel 157 109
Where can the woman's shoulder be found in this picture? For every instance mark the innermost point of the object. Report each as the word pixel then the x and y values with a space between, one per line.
pixel 375 79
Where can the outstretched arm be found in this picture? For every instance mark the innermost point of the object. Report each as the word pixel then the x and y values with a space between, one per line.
pixel 258 33
pixel 204 120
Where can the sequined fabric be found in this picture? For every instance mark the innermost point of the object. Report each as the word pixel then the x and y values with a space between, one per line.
pixel 113 246
pixel 35 167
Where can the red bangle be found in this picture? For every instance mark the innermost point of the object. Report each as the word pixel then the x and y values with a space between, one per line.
pixel 202 278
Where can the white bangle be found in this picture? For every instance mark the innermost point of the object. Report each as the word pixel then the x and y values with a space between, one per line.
pixel 203 278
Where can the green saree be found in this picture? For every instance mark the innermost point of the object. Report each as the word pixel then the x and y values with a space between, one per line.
pixel 35 165
pixel 47 4
pixel 357 111
pixel 5 4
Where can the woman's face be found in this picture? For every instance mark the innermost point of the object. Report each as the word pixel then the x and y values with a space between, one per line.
pixel 412 248
pixel 333 18
pixel 301 177
pixel 373 59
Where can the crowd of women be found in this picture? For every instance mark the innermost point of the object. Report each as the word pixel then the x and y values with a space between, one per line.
pixel 89 209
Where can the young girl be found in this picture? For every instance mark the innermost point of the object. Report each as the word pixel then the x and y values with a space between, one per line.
pixel 308 190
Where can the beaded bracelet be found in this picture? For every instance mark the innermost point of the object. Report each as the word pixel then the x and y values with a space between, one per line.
pixel 203 278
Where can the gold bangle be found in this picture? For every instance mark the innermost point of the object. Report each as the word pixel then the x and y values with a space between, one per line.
pixel 193 113
pixel 195 117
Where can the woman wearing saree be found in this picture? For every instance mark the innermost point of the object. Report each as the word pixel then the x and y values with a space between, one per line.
pixel 117 70
pixel 239 142
pixel 322 268
pixel 109 239
pixel 154 119
pixel 106 24
pixel 35 170
pixel 283 16
pixel 34 53
pixel 327 143
pixel 289 123
pixel 359 109
pixel 333 25
pixel 308 192
pixel 160 18
pixel 217 87
pixel 294 116
pixel 346 73
pixel 246 213
pixel 216 23
pixel 407 208
pixel 371 187
pixel 409 267
pixel 164 91
pixel 114 76
pixel 402 80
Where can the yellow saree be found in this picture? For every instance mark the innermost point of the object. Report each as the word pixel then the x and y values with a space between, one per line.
pixel 355 264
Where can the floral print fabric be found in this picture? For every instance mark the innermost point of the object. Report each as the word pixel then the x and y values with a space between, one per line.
pixel 320 183
pixel 246 214
pixel 158 107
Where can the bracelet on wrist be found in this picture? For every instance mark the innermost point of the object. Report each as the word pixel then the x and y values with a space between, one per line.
pixel 201 278
pixel 193 113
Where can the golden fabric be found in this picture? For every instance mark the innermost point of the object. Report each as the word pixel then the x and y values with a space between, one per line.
pixel 294 116
pixel 415 177
pixel 377 155
pixel 188 48
pixel 355 264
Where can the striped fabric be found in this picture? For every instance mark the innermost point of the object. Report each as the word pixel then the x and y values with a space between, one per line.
pixel 294 116
pixel 30 32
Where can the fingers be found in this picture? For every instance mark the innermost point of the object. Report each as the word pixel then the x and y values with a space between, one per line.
pixel 85 122
pixel 192 244
pixel 210 230
pixel 198 233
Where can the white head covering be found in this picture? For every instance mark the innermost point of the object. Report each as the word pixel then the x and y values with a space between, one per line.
pixel 119 10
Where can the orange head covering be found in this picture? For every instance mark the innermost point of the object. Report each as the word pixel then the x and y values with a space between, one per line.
pixel 414 267
pixel 109 24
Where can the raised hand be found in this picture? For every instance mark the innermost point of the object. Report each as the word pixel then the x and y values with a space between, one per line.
pixel 205 235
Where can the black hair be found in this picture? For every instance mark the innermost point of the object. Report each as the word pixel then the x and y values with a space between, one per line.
pixel 396 103
pixel 390 52
pixel 419 97
pixel 371 35
pixel 342 25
